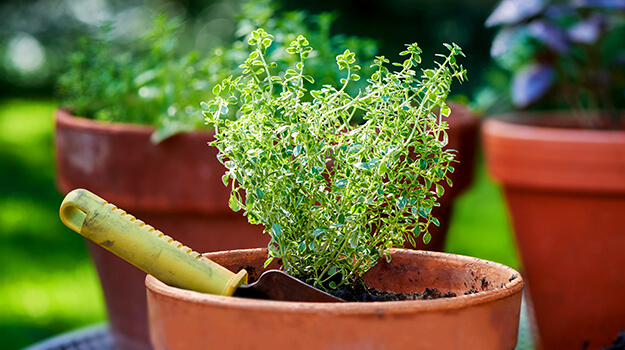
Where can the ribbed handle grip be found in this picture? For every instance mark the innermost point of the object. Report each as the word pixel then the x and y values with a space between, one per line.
pixel 145 247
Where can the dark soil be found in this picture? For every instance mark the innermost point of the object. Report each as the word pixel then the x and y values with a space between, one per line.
pixel 361 292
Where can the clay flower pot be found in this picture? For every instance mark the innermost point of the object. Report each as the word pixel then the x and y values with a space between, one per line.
pixel 182 319
pixel 175 186
pixel 565 190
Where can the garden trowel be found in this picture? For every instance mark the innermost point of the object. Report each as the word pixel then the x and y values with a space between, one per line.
pixel 170 261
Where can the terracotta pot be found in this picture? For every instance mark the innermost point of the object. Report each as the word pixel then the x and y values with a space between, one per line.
pixel 175 186
pixel 565 190
pixel 182 319
pixel 463 134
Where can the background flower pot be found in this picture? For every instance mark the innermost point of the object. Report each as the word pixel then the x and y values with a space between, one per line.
pixel 463 134
pixel 182 319
pixel 174 186
pixel 565 190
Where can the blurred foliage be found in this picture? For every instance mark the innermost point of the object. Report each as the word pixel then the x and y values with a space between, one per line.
pixel 151 80
pixel 47 282
pixel 561 54
pixel 47 29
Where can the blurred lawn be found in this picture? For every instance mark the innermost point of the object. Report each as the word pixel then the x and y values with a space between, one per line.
pixel 47 283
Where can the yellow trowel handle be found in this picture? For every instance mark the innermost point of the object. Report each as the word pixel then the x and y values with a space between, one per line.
pixel 145 247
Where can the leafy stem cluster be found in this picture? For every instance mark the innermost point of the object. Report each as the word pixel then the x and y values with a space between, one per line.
pixel 334 194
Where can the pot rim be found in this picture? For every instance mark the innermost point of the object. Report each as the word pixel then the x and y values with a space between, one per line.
pixel 521 125
pixel 66 117
pixel 549 157
pixel 509 289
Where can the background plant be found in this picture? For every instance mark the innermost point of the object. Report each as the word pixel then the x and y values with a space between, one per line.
pixel 563 54
pixel 147 81
pixel 334 195
pixel 152 80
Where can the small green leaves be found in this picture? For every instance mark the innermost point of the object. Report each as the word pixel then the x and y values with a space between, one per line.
pixel 334 195
pixel 346 59
pixel 261 39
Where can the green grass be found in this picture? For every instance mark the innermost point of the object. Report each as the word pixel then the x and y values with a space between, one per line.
pixel 480 225
pixel 47 282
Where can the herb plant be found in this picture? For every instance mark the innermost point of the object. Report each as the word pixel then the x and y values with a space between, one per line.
pixel 146 82
pixel 332 194
pixel 154 81
pixel 563 54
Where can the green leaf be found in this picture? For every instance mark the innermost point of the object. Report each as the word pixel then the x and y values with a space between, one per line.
pixel 233 202
pixel 362 166
pixel 427 238
pixel 401 202
pixel 353 241
pixel 445 110
pixel 436 222
pixel 440 190
pixel 416 232
pixel 318 231
pixel 422 213
pixel 224 109
pixel 341 218
pixel 259 193
pixel 297 150
pixel 277 230
pixel 341 182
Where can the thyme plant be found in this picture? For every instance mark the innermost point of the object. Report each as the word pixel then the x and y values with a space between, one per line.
pixel 334 195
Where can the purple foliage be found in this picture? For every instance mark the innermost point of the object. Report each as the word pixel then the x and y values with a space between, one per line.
pixel 513 11
pixel 557 11
pixel 531 83
pixel 504 40
pixel 589 30
pixel 551 35
pixel 606 4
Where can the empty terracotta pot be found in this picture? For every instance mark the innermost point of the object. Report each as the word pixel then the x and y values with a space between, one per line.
pixel 565 190
pixel 175 186
pixel 183 319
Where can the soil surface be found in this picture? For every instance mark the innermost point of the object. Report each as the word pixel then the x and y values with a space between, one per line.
pixel 360 292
